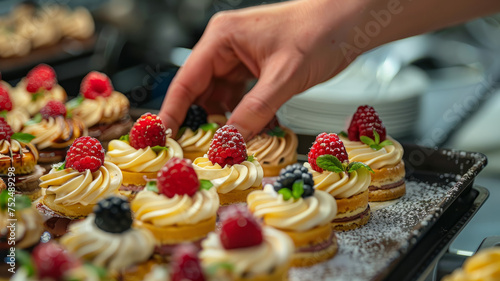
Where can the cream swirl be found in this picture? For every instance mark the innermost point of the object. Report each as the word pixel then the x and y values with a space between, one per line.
pixel 56 132
pixel 275 251
pixel 198 140
pixel 236 177
pixel 387 156
pixel 299 215
pixel 103 110
pixel 71 187
pixel 160 210
pixel 130 159
pixel 273 150
pixel 114 251
pixel 24 99
pixel 16 118
pixel 341 185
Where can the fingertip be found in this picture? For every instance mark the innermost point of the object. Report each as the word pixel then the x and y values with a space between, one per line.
pixel 169 121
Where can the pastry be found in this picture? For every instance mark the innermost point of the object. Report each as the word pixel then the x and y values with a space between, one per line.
pixel 18 162
pixel 142 153
pixel 74 187
pixel 366 142
pixel 346 182
pixel 38 88
pixel 227 166
pixel 15 116
pixel 482 266
pixel 107 239
pixel 103 110
pixel 196 133
pixel 245 250
pixel 276 148
pixel 54 132
pixel 294 207
pixel 178 208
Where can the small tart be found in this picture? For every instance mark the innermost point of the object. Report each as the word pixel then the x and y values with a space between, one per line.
pixel 56 133
pixel 23 99
pixel 18 155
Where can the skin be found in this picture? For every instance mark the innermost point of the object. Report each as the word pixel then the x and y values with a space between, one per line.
pixel 291 46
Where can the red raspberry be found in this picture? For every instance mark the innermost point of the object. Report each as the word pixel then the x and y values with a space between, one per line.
pixel 96 84
pixel 239 229
pixel 52 261
pixel 85 153
pixel 40 77
pixel 364 120
pixel 326 144
pixel 185 264
pixel 5 102
pixel 178 177
pixel 148 130
pixel 53 109
pixel 5 130
pixel 227 147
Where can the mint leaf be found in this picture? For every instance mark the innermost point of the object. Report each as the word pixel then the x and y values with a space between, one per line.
pixel 330 163
pixel 297 189
pixel 74 103
pixel 26 262
pixel 209 126
pixel 35 120
pixel 124 138
pixel 22 137
pixel 3 114
pixel 250 158
pixel 205 184
pixel 376 136
pixel 36 95
pixel 366 140
pixel 276 131
pixel 357 165
pixel 4 199
pixel 226 266
pixel 151 186
pixel 287 193
pixel 22 202
pixel 158 148
pixel 343 134
pixel 100 271
pixel 62 166
pixel 386 142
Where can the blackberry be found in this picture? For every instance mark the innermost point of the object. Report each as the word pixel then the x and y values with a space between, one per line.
pixel 113 215
pixel 293 173
pixel 195 117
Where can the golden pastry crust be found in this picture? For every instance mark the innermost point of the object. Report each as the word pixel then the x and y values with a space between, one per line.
pixel 274 171
pixel 388 176
pixel 176 234
pixel 349 207
pixel 191 155
pixel 236 196
pixel 279 274
pixel 73 211
pixel 137 178
pixel 388 194
pixel 21 156
pixel 353 224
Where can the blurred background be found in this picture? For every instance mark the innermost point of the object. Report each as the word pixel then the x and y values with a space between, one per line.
pixel 439 89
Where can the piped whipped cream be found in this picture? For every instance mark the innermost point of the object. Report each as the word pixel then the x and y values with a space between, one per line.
pixel 103 110
pixel 56 132
pixel 387 156
pixel 273 150
pixel 24 99
pixel 198 140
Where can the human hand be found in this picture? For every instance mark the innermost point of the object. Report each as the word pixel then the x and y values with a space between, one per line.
pixel 289 47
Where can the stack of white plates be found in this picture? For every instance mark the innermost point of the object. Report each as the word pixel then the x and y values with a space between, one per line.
pixel 393 91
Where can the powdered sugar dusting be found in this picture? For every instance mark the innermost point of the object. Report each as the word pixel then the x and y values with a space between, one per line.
pixel 366 252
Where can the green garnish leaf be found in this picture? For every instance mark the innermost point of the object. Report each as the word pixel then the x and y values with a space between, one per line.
pixel 287 193
pixel 3 113
pixel 74 103
pixel 367 140
pixel 209 126
pixel 375 143
pixel 152 186
pixel 158 148
pixel 297 189
pixel 386 142
pixel 36 95
pixel 22 202
pixel 124 138
pixel 250 158
pixel 205 184
pixel 100 271
pixel 276 131
pixel 377 136
pixel 35 120
pixel 26 262
pixel 4 199
pixel 226 266
pixel 61 167
pixel 22 137
pixel 357 165
pixel 330 163
pixel 343 134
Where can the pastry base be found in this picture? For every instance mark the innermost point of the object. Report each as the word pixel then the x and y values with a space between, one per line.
pixel 351 206
pixel 387 176
pixel 23 165
pixel 73 211
pixel 191 155
pixel 279 274
pixel 136 272
pixel 178 234
pixel 314 236
pixel 274 171
pixel 136 178
pixel 236 196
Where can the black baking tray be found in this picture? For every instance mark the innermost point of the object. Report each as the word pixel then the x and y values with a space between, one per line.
pixel 454 172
